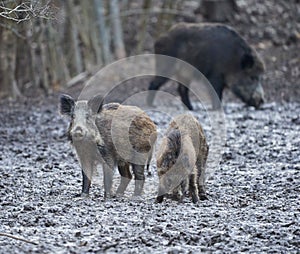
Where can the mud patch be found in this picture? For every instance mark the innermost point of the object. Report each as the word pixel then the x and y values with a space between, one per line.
pixel 253 201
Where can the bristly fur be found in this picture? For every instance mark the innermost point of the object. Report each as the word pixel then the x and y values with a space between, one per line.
pixel 174 141
pixel 219 52
pixel 182 157
pixel 102 150
pixel 110 106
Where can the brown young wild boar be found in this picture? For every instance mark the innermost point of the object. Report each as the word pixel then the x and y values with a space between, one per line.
pixel 113 135
pixel 181 159
pixel 219 53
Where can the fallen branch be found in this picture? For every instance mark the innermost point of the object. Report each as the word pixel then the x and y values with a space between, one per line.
pixel 78 78
pixel 18 238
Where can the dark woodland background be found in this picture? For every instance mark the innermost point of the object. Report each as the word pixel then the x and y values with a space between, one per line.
pixel 49 46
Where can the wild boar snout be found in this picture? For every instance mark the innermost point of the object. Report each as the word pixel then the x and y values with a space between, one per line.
pixel 251 93
pixel 78 133
pixel 257 98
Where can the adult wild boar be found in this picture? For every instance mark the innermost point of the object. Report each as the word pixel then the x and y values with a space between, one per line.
pixel 219 53
pixel 113 135
pixel 181 159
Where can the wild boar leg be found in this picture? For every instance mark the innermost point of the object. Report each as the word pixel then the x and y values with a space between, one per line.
pixel 201 183
pixel 157 82
pixel 184 187
pixel 126 177
pixel 201 188
pixel 200 164
pixel 138 171
pixel 184 94
pixel 148 162
pixel 218 85
pixel 86 184
pixel 193 188
pixel 160 194
pixel 108 180
pixel 88 167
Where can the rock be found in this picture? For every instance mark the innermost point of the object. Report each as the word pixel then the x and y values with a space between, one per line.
pixel 157 229
pixel 78 234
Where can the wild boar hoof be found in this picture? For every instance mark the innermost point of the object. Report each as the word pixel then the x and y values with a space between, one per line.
pixel 108 195
pixel 119 195
pixel 159 199
pixel 203 197
pixel 190 107
pixel 137 193
pixel 81 196
pixel 84 195
pixel 195 199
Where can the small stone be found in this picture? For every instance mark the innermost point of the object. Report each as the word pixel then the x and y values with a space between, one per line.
pixel 156 229
pixel 28 207
pixel 78 234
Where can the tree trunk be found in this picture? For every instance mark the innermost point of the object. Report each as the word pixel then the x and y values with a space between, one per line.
pixel 143 25
pixel 8 82
pixel 117 29
pixel 59 71
pixel 72 11
pixel 84 33
pixel 42 40
pixel 94 37
pixel 103 31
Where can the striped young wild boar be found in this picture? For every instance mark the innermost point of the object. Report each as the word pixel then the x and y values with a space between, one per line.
pixel 219 53
pixel 113 135
pixel 181 159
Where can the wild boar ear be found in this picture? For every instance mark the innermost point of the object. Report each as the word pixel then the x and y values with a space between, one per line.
pixel 96 103
pixel 247 61
pixel 67 105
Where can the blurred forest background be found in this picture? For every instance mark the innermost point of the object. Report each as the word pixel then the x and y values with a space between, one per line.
pixel 49 45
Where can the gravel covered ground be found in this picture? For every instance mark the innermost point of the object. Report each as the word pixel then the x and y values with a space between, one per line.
pixel 253 204
pixel 253 201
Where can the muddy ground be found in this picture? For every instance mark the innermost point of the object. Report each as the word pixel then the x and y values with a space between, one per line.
pixel 253 204
pixel 253 201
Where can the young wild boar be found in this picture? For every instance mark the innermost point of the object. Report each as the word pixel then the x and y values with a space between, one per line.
pixel 181 159
pixel 219 53
pixel 113 135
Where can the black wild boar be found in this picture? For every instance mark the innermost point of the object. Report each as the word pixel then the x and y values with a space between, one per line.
pixel 113 135
pixel 219 53
pixel 181 159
